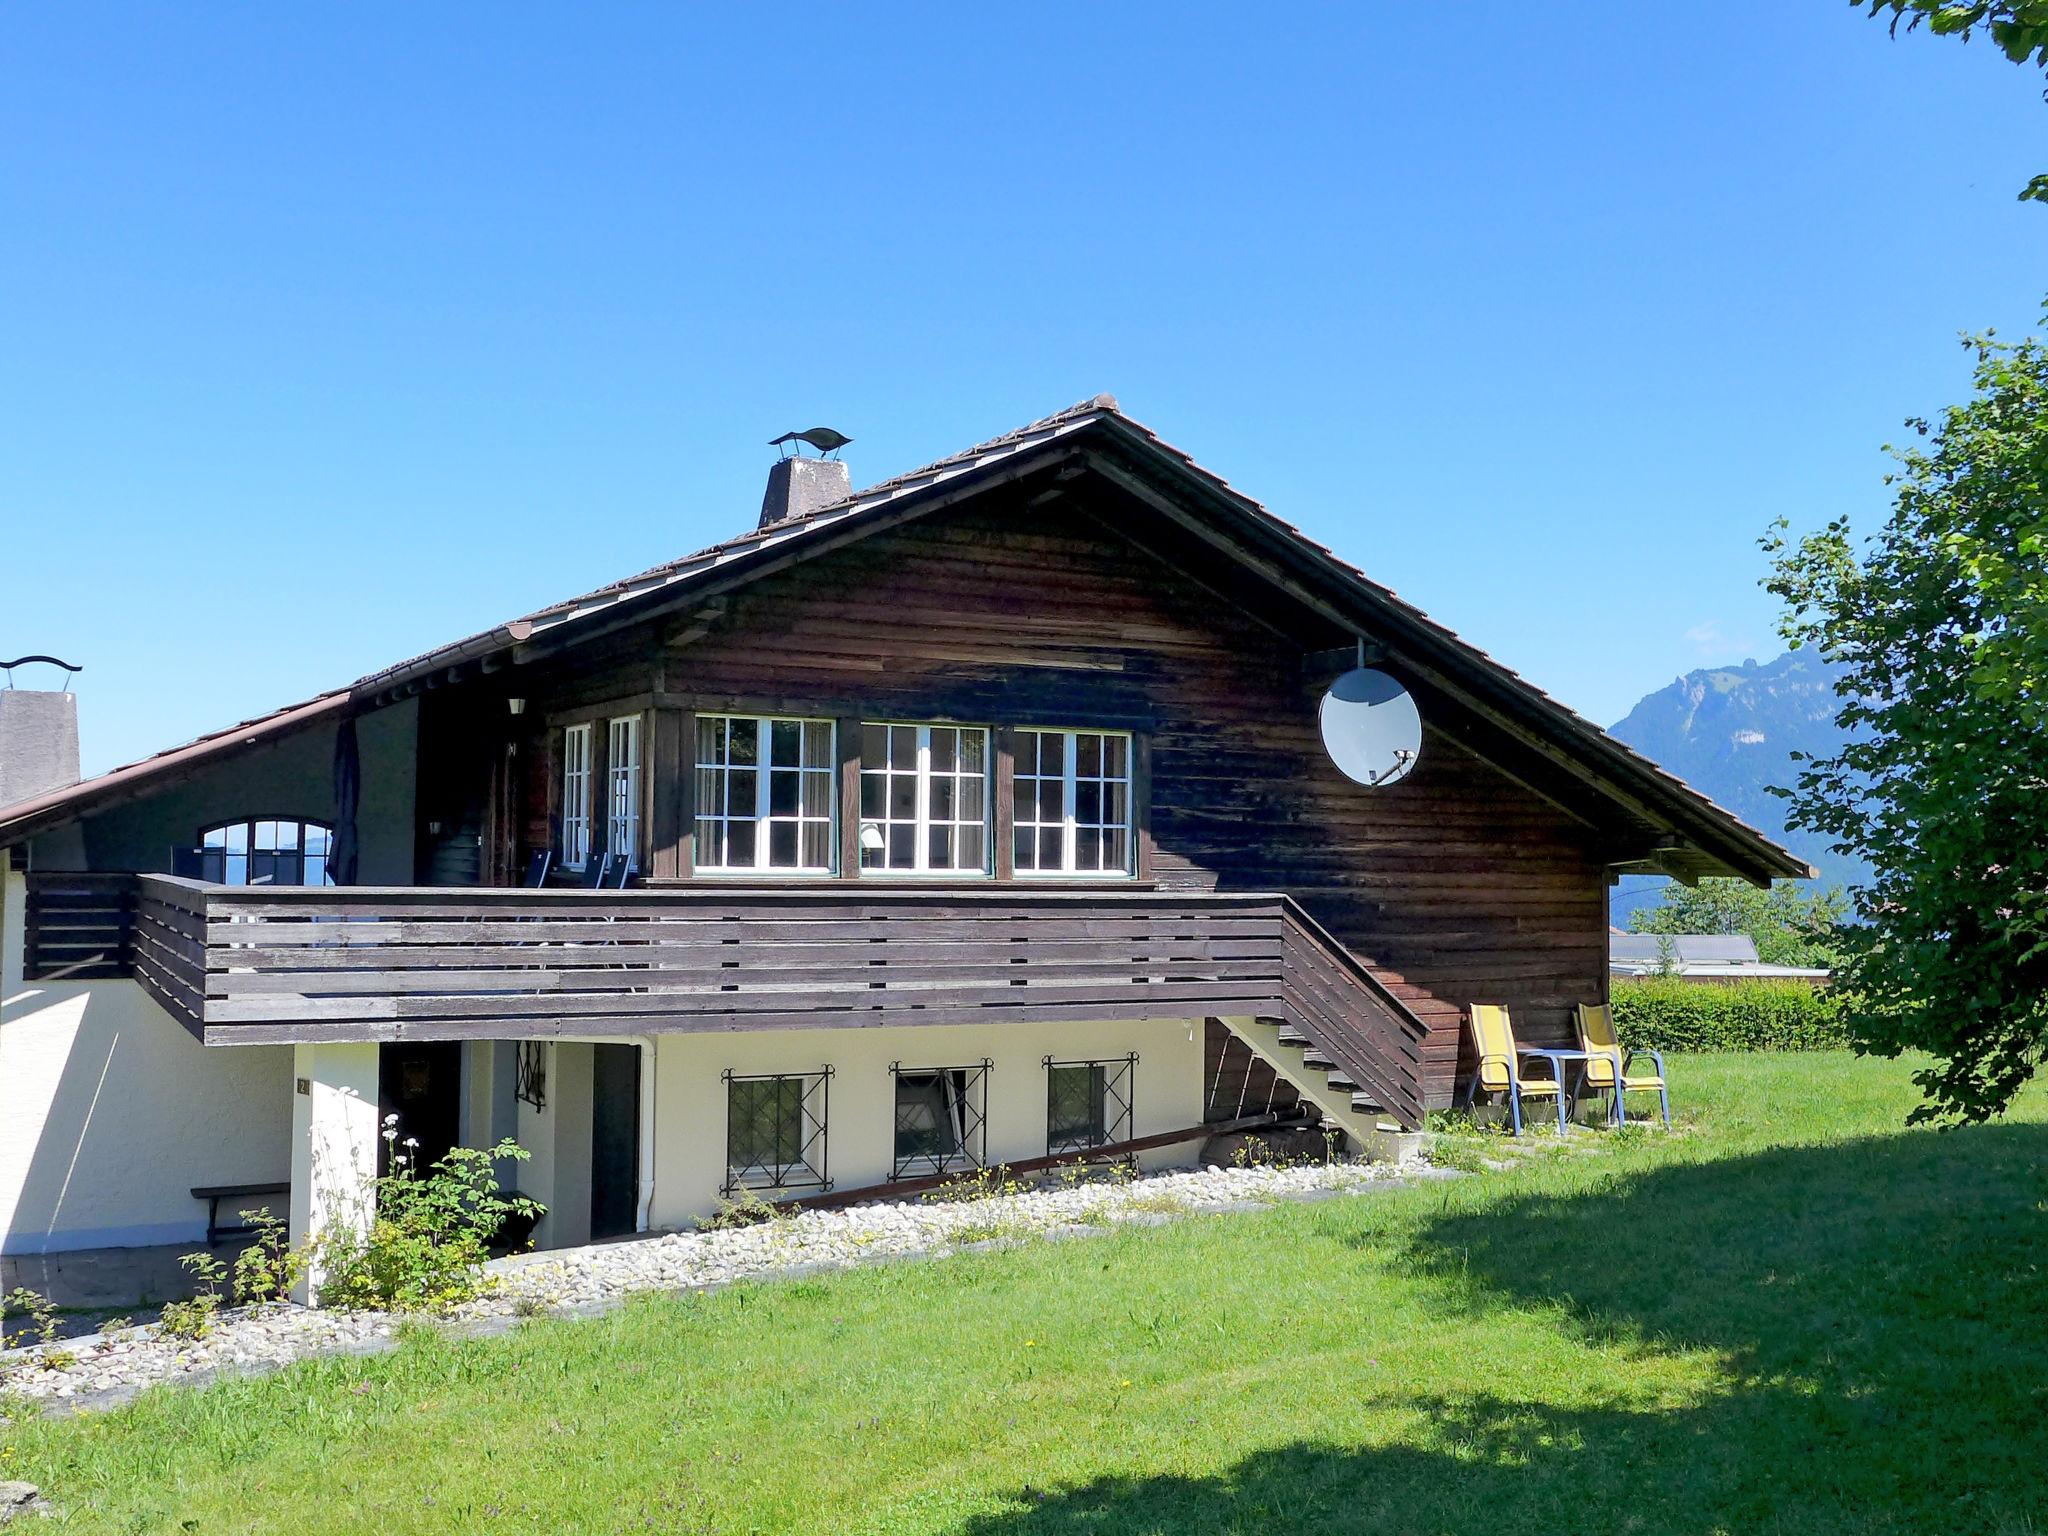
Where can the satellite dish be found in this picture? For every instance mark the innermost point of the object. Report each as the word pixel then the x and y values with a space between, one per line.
pixel 1371 727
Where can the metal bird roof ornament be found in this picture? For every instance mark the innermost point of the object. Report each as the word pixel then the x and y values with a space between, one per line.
pixel 824 439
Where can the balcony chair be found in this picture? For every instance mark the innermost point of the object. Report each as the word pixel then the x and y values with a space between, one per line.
pixel 597 870
pixel 1607 1065
pixel 537 869
pixel 1500 1066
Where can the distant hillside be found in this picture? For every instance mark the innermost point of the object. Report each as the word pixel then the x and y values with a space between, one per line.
pixel 1730 732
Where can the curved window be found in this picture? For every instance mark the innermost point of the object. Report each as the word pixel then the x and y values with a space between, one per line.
pixel 266 852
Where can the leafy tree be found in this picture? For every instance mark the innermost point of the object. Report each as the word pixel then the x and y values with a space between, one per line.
pixel 1790 924
pixel 1941 623
pixel 2018 27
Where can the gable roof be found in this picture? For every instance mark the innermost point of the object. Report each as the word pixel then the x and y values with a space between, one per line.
pixel 1712 839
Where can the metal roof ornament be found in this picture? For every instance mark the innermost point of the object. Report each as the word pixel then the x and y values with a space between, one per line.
pixel 22 661
pixel 825 439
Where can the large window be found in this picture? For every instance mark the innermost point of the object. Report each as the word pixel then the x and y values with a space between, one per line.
pixel 622 773
pixel 775 1131
pixel 1087 1104
pixel 764 794
pixel 272 852
pixel 924 799
pixel 1073 803
pixel 941 1118
pixel 576 796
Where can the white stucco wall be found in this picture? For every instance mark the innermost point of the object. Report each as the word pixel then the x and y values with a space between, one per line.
pixel 558 1136
pixel 690 1094
pixel 110 1112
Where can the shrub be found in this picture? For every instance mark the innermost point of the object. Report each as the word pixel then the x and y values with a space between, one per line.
pixel 425 1246
pixel 194 1319
pixel 1672 1015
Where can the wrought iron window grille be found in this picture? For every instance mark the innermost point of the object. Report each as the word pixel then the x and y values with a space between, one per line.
pixel 941 1119
pixel 1088 1104
pixel 530 1075
pixel 775 1130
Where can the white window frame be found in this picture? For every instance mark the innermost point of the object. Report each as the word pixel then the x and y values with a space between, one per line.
pixel 1070 825
pixel 576 787
pixel 622 781
pixel 763 789
pixel 921 868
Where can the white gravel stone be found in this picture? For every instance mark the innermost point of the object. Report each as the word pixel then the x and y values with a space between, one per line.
pixel 108 1368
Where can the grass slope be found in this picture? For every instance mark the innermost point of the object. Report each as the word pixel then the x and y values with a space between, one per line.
pixel 1794 1316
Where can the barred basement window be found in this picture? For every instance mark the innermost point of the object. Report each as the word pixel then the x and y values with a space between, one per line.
pixel 775 1131
pixel 765 797
pixel 1087 1103
pixel 575 796
pixel 1072 801
pixel 941 1119
pixel 261 852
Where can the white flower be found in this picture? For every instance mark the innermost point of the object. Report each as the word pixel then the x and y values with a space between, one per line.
pixel 411 1141
pixel 391 1119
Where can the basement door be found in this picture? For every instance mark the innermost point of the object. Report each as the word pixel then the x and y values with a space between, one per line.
pixel 614 1139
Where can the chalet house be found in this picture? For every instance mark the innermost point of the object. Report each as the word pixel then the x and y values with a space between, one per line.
pixel 975 817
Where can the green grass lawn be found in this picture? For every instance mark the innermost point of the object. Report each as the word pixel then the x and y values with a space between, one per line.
pixel 1793 1316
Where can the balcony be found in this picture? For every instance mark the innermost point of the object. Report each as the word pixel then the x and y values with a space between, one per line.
pixel 272 965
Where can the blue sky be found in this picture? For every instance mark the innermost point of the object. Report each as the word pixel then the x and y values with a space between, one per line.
pixel 330 335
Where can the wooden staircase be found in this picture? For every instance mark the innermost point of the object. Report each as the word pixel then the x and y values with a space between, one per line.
pixel 1319 1080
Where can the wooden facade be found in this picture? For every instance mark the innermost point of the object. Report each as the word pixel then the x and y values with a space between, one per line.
pixel 1459 884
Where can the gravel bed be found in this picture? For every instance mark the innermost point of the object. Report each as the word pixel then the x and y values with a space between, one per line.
pixel 111 1368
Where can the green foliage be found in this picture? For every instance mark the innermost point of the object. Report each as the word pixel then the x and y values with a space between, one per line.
pixel 194 1318
pixel 2018 27
pixel 1941 626
pixel 1671 1015
pixel 269 1267
pixel 1791 924
pixel 431 1233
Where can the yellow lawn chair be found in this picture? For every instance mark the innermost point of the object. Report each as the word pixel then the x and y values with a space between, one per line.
pixel 1500 1065
pixel 1605 1055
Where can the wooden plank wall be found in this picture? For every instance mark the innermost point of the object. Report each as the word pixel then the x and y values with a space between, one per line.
pixel 1456 885
pixel 76 926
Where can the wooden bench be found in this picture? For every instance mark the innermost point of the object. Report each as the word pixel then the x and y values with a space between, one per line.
pixel 213 1194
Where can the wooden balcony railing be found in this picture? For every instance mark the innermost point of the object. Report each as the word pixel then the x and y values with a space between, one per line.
pixel 278 964
pixel 77 926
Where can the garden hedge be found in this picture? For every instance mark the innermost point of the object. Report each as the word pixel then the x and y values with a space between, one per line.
pixel 1673 1015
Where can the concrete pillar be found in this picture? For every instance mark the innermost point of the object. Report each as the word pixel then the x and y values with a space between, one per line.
pixel 334 1141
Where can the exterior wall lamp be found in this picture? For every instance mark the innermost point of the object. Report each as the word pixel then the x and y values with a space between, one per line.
pixel 516 706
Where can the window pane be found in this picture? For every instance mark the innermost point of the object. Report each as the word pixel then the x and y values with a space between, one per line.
pixel 874 789
pixel 1087 849
pixel 939 848
pixel 1116 849
pixel 970 799
pixel 973 750
pixel 740 844
pixel 1025 851
pixel 1087 802
pixel 1049 849
pixel 740 791
pixel 710 844
pixel 1051 799
pixel 817 744
pixel 785 743
pixel 782 793
pixel 902 796
pixel 874 746
pixel 817 845
pixel 1088 755
pixel 782 845
pixel 969 848
pixel 903 746
pixel 945 745
pixel 903 846
pixel 942 799
pixel 817 794
pixel 1116 756
pixel 744 743
pixel 238 837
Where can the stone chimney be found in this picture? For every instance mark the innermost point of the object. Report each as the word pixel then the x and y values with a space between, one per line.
pixel 798 485
pixel 38 742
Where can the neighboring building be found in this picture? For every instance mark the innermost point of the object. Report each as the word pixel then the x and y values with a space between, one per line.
pixel 977 816
pixel 1708 957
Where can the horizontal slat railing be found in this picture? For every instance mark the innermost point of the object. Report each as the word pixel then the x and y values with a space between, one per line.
pixel 75 926
pixel 280 964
